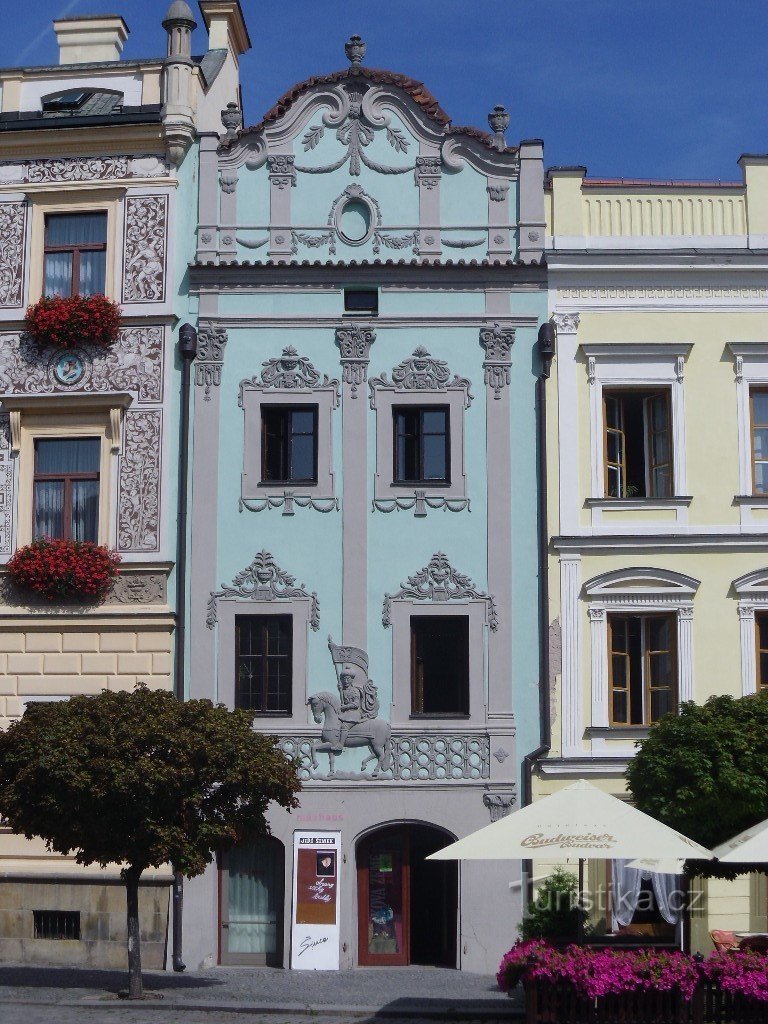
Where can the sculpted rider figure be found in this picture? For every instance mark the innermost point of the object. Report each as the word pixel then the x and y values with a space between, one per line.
pixel 358 700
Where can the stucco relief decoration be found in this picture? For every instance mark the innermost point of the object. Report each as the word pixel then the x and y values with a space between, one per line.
pixel 90 168
pixel 355 346
pixel 377 233
pixel 139 588
pixel 428 171
pixel 138 503
pixel 211 342
pixel 422 372
pixel 499 804
pixel 6 486
pixel 497 342
pixel 289 371
pixel 134 363
pixel 568 323
pixel 439 582
pixel 282 173
pixel 146 226
pixel 13 221
pixel 263 580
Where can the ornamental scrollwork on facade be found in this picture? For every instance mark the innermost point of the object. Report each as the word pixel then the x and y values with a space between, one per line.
pixel 289 372
pixel 416 757
pixel 422 372
pixel 499 804
pixel 439 582
pixel 289 502
pixel 13 222
pixel 138 505
pixel 146 228
pixel 211 342
pixel 419 502
pixel 129 587
pixel 354 344
pixel 497 193
pixel 282 173
pixel 497 342
pixel 568 323
pixel 428 171
pixel 6 486
pixel 356 126
pixel 76 169
pixel 134 364
pixel 263 580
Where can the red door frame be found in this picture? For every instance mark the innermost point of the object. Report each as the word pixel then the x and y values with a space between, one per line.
pixel 403 958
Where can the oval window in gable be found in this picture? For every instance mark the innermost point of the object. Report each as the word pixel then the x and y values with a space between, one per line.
pixel 355 222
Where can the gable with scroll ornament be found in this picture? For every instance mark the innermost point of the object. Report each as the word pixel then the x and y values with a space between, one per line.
pixel 422 372
pixel 289 372
pixel 263 580
pixel 439 582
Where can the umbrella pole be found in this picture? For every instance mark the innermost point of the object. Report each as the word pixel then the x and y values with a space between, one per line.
pixel 580 923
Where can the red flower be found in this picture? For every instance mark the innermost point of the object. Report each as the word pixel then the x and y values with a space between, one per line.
pixel 74 320
pixel 64 569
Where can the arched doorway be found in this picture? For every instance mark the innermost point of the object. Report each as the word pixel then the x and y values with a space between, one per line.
pixel 251 905
pixel 407 906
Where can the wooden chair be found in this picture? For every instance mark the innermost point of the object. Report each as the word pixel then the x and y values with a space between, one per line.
pixel 723 941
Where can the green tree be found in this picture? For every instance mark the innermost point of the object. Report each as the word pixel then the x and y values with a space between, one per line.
pixel 143 780
pixel 704 771
pixel 555 913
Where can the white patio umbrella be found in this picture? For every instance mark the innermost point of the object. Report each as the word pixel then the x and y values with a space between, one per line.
pixel 659 866
pixel 578 821
pixel 748 847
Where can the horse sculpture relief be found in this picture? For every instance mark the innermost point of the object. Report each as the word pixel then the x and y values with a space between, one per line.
pixel 350 719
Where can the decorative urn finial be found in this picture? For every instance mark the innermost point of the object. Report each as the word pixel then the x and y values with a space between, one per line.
pixel 498 119
pixel 231 118
pixel 355 50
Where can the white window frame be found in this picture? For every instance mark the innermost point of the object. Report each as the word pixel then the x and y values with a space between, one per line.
pixel 637 365
pixel 752 593
pixel 750 370
pixel 636 591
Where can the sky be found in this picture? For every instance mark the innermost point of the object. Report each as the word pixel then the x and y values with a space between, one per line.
pixel 629 88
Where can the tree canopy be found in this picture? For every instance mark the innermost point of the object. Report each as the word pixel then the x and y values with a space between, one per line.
pixel 704 771
pixel 141 779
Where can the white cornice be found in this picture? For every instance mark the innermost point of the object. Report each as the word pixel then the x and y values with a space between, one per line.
pixel 727 538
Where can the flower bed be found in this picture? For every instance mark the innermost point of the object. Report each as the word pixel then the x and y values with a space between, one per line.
pixel 583 985
pixel 68 322
pixel 64 570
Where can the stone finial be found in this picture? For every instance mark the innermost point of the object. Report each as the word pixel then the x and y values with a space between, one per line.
pixel 355 50
pixel 231 118
pixel 498 119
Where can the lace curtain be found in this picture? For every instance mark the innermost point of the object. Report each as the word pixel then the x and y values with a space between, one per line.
pixel 627 883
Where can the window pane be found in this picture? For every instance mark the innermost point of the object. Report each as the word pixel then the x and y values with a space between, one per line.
pixel 434 421
pixel 618 635
pixel 762 631
pixel 760 443
pixel 613 412
pixel 761 478
pixel 615 489
pixel 620 706
pixel 759 407
pixel 435 467
pixel 85 510
pixel 58 274
pixel 619 671
pixel 660 447
pixel 440 664
pixel 76 229
pixel 406 445
pixel 93 268
pixel 659 634
pixel 49 509
pixel 614 446
pixel 67 455
pixel 264 663
pixel 662 482
pixel 303 421
pixel 659 412
pixel 303 458
pixel 661 704
pixel 763 669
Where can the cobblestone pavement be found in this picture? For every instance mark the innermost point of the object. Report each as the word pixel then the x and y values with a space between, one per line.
pixel 45 1013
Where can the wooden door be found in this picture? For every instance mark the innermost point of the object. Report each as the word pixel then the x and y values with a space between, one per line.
pixel 383 888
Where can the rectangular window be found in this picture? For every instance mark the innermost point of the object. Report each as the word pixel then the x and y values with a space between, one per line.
pixel 422 444
pixel 289 444
pixel 264 663
pixel 56 924
pixel 758 403
pixel 638 444
pixel 440 664
pixel 761 638
pixel 75 254
pixel 642 667
pixel 361 300
pixel 66 488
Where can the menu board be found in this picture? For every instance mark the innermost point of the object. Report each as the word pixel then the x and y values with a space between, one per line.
pixel 315 924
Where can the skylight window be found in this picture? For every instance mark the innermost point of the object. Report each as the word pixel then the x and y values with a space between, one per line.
pixel 65 102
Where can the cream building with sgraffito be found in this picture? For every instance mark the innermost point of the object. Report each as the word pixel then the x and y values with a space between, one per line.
pixel 657 444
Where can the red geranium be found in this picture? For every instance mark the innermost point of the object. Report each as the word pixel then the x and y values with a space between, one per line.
pixel 73 321
pixel 64 569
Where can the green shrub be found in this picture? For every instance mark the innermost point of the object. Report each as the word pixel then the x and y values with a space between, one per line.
pixel 555 912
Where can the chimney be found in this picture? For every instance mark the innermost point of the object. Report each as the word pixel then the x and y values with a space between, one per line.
pixel 90 40
pixel 226 26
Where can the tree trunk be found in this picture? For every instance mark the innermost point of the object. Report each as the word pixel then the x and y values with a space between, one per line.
pixel 135 984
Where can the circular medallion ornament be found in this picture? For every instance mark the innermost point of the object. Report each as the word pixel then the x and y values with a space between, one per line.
pixel 68 368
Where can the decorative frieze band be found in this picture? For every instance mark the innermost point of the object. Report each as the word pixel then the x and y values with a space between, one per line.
pixel 129 588
pixel 82 168
pixel 211 342
pixel 263 580
pixel 138 505
pixel 354 344
pixel 146 230
pixel 133 364
pixel 6 487
pixel 13 224
pixel 497 342
pixel 439 582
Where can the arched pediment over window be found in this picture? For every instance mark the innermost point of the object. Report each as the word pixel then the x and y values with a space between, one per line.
pixel 648 583
pixel 754 584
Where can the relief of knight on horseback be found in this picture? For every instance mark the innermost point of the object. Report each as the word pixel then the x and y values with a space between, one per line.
pixel 351 719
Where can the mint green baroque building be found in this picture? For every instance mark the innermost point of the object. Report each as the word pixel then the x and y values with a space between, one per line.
pixel 363 570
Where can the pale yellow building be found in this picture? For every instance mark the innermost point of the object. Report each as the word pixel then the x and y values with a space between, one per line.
pixel 657 479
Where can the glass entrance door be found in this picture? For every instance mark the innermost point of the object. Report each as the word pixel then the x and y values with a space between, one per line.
pixel 383 876
pixel 252 904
